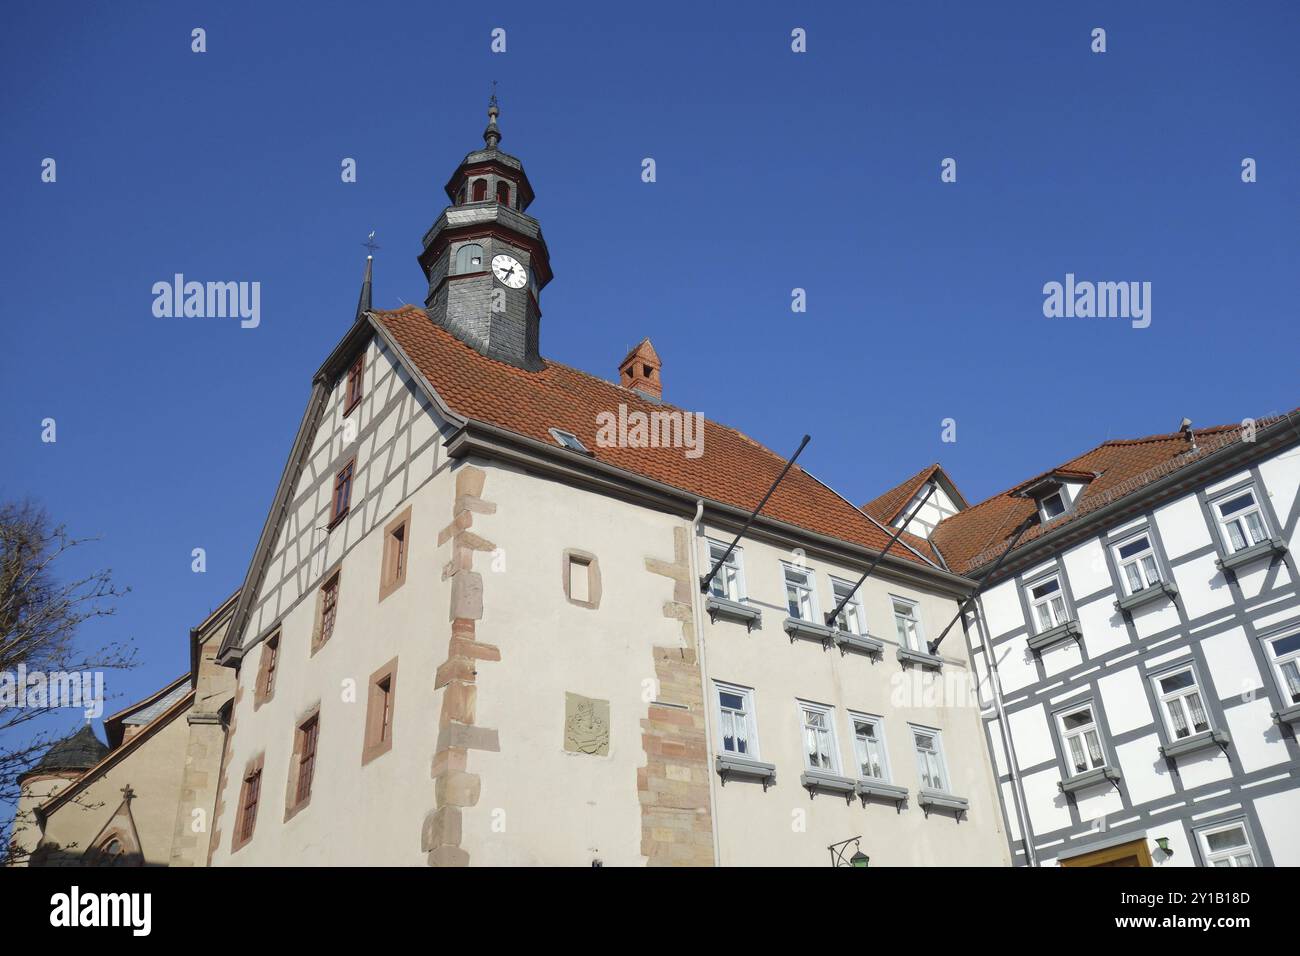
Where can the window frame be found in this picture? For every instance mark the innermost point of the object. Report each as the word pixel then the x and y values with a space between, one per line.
pixel 1278 661
pixel 735 563
pixel 854 603
pixel 1163 699
pixel 396 558
pixel 1211 856
pixel 809 588
pixel 915 607
pixel 882 746
pixel 245 826
pixel 306 732
pixel 751 719
pixel 569 440
pixel 1256 508
pixel 463 256
pixel 827 712
pixel 575 556
pixel 1067 613
pixel 331 584
pixel 1064 735
pixel 941 757
pixel 267 668
pixel 1121 563
pixel 356 384
pixel 344 478
pixel 1042 505
pixel 381 706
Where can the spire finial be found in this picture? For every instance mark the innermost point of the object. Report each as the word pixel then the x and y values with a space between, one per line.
pixel 492 135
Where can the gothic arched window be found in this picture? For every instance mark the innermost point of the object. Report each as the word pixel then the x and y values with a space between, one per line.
pixel 503 193
pixel 480 190
pixel 469 258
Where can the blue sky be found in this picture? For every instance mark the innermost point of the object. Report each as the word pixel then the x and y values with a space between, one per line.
pixel 775 170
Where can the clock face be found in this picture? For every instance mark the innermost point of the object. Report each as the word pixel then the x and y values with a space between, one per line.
pixel 509 272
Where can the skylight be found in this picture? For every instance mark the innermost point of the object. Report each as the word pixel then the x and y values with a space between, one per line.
pixel 569 440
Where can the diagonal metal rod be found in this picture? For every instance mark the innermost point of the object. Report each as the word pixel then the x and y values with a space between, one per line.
pixel 830 618
pixel 965 605
pixel 706 579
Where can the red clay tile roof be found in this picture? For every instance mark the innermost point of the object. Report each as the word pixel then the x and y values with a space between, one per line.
pixel 887 506
pixel 975 537
pixel 733 469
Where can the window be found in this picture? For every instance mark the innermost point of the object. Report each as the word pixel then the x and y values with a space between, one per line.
pixel 397 547
pixel 379 712
pixel 250 795
pixel 479 190
pixel 1286 662
pixel 469 258
pixel 736 720
pixel 569 440
pixel 304 766
pixel 907 623
pixel 581 578
pixel 869 747
pixel 1227 845
pixel 850 616
pixel 327 607
pixel 819 751
pixel 1047 604
pixel 342 492
pixel 729 582
pixel 356 377
pixel 1180 698
pixel 270 662
pixel 1137 564
pixel 1082 739
pixel 503 193
pixel 1241 521
pixel 799 593
pixel 1053 505
pixel 929 758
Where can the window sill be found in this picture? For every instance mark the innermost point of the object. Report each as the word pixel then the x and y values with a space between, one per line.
pixel 1147 595
pixel 1040 642
pixel 730 610
pixel 815 780
pixel 352 408
pixel 1264 549
pixel 1187 745
pixel 929 799
pixel 743 767
pixel 920 658
pixel 872 787
pixel 808 630
pixel 859 642
pixel 1090 778
pixel 1289 716
pixel 337 520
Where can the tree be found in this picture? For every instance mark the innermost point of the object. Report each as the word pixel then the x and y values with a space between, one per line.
pixel 40 616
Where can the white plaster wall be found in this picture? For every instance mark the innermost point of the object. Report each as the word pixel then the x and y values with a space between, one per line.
pixel 1125 700
pixel 1145 771
pixel 1182 527
pixel 1232 663
pixel 1256 739
pixel 1001 605
pixel 1032 734
pixel 1279 815
pixel 1086 569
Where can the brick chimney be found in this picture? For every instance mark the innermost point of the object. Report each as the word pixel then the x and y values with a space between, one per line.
pixel 640 369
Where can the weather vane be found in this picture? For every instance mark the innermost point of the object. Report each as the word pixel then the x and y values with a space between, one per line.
pixel 493 100
pixel 370 243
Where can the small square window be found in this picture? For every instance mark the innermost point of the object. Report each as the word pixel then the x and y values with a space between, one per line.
pixel 930 763
pixel 800 597
pixel 818 725
pixel 737 730
pixel 907 623
pixel 729 582
pixel 569 441
pixel 1227 845
pixel 1241 521
pixel 1181 703
pixel 1053 506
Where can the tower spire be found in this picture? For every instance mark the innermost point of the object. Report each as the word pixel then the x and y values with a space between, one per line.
pixel 492 135
pixel 363 302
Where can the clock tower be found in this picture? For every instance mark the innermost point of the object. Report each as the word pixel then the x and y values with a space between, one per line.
pixel 485 258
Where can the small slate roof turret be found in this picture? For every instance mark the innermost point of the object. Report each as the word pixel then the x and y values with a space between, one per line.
pixel 80 751
pixel 363 303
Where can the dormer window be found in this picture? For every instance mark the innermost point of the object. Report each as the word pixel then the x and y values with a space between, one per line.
pixel 569 440
pixel 1052 506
